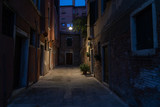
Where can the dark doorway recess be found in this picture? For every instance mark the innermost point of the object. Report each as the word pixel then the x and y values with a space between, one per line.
pixel 69 58
pixel 106 65
pixel 17 62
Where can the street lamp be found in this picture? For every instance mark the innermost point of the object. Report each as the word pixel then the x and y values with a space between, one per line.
pixel 70 28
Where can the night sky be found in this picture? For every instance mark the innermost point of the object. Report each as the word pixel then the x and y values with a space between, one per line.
pixel 69 2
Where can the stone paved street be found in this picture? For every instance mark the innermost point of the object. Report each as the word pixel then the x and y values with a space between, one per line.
pixel 67 87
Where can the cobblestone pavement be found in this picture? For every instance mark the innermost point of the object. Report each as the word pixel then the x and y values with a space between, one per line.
pixel 67 87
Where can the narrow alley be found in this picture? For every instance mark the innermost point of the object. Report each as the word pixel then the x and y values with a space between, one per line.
pixel 79 53
pixel 67 87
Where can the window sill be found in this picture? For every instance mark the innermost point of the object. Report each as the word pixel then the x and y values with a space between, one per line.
pixel 145 52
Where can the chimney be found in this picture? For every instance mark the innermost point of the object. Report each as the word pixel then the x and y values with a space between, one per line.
pixel 73 2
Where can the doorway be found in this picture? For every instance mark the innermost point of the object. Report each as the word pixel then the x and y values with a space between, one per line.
pixel 20 62
pixel 106 64
pixel 42 60
pixel 69 58
pixel 17 62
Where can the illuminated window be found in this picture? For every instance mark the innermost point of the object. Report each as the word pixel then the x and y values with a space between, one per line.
pixel 63 24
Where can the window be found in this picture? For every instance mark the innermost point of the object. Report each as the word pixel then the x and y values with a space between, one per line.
pixel 63 24
pixel 103 5
pixel 69 41
pixel 68 25
pixel 143 30
pixel 32 38
pixel 7 22
pixel 37 3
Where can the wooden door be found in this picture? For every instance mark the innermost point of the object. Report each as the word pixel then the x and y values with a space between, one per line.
pixel 69 58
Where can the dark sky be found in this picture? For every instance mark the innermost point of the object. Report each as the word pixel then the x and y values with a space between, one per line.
pixel 69 2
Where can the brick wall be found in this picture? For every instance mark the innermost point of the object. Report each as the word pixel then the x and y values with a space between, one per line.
pixel 97 65
pixel 132 77
pixel 75 48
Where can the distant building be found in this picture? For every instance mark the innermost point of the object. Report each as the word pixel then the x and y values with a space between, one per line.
pixel 124 47
pixel 68 13
pixel 70 55
pixel 70 49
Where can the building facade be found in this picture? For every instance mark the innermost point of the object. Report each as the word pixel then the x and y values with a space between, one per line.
pixel 21 33
pixel 70 49
pixel 70 52
pixel 68 13
pixel 124 48
pixel 49 41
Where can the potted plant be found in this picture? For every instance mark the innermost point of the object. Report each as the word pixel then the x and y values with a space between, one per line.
pixel 84 68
